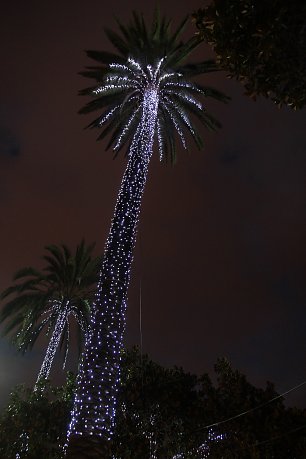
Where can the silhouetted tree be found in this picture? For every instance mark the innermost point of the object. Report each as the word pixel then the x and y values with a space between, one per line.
pixel 164 413
pixel 45 300
pixel 260 43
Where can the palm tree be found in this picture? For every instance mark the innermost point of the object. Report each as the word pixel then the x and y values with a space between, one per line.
pixel 143 93
pixel 47 299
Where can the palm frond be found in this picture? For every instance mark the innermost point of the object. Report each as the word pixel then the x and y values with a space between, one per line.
pixel 195 69
pixel 33 302
pixel 149 57
pixel 104 57
pixel 117 42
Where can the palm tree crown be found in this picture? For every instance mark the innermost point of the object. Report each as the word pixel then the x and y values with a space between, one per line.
pixel 44 300
pixel 151 61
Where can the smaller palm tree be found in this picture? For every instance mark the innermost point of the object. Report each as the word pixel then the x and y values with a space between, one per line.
pixel 47 299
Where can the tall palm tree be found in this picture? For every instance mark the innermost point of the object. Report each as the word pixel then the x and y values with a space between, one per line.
pixel 47 299
pixel 142 93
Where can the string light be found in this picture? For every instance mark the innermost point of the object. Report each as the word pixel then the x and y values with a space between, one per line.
pixel 152 93
pixel 24 446
pixel 62 311
pixel 45 368
pixel 106 116
pixel 150 428
pixel 59 312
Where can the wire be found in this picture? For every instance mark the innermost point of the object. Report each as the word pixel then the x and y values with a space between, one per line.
pixel 140 316
pixel 269 440
pixel 262 405
pixel 277 437
pixel 266 442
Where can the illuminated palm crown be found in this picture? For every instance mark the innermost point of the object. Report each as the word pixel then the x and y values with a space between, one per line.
pixel 39 296
pixel 149 59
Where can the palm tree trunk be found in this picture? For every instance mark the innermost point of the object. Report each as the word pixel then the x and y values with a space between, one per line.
pixel 94 410
pixel 45 368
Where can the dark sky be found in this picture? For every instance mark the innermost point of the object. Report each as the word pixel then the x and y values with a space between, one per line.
pixel 222 257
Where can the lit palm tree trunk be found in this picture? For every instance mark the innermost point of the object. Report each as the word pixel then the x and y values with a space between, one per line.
pixel 53 345
pixel 95 403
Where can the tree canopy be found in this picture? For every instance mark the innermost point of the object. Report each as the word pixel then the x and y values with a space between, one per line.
pixel 260 43
pixel 166 413
pixel 34 423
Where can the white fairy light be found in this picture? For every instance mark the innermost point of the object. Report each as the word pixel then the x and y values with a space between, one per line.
pixel 67 343
pixel 184 85
pixel 148 90
pixel 53 345
pixel 126 129
pixel 58 312
pixel 108 115
pixel 91 414
pixel 159 139
pixel 24 445
pixel 117 78
pixel 166 76
pixel 181 113
pixel 151 74
pixel 113 87
pixel 124 68
pixel 138 68
pixel 157 69
pixel 185 97
pixel 177 127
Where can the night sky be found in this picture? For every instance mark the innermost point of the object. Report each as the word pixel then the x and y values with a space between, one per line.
pixel 222 249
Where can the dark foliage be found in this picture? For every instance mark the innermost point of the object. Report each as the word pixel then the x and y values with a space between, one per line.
pixel 260 43
pixel 166 412
pixel 267 430
pixel 35 423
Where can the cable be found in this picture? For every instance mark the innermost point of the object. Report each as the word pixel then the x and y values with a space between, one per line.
pixel 140 316
pixel 277 437
pixel 262 405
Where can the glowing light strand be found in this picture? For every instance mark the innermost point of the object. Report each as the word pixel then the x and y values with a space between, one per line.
pixel 101 359
pixel 67 343
pixel 177 127
pixel 45 369
pixel 181 113
pixel 183 85
pixel 138 68
pixel 166 76
pixel 113 87
pixel 159 139
pixel 108 115
pixel 97 383
pixel 126 129
pixel 149 427
pixel 185 97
